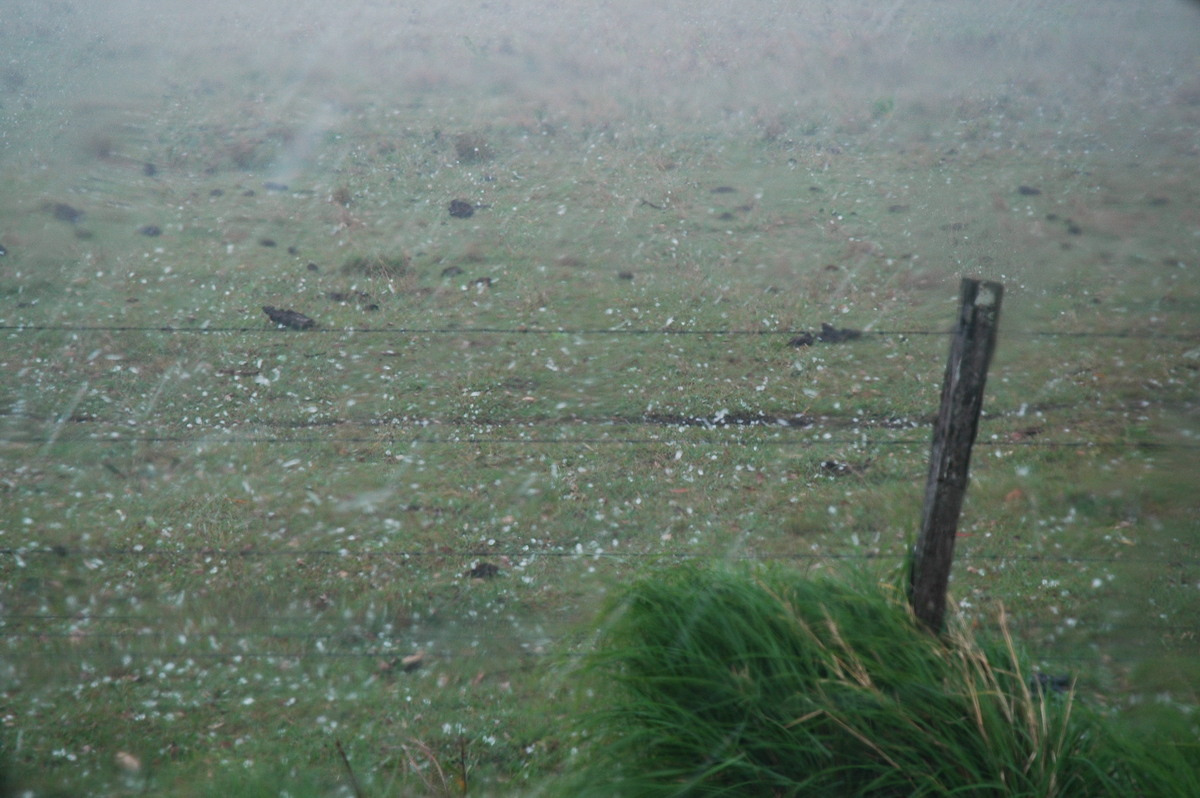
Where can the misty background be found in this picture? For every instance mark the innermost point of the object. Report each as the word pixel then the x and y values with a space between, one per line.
pixel 1095 76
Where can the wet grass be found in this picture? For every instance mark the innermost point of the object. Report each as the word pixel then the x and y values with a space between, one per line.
pixel 221 540
pixel 715 681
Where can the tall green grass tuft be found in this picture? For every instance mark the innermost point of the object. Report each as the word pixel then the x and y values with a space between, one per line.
pixel 717 681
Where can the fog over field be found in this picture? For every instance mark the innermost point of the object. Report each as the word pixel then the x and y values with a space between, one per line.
pixel 1102 75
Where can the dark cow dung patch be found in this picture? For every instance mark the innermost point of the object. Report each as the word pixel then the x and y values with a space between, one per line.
pixel 64 212
pixel 484 570
pixel 832 335
pixel 838 468
pixel 828 335
pixel 289 318
pixel 461 209
pixel 803 339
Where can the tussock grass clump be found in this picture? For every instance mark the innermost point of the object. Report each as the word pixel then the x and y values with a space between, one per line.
pixel 387 267
pixel 723 682
pixel 472 148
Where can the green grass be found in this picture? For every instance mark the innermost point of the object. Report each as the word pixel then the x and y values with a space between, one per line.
pixel 197 509
pixel 717 681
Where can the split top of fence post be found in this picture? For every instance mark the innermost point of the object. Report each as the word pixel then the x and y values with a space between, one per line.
pixel 953 435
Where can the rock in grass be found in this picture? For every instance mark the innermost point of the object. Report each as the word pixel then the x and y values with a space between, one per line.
pixel 289 318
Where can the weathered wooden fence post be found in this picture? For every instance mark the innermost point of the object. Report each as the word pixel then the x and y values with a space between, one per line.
pixel 953 435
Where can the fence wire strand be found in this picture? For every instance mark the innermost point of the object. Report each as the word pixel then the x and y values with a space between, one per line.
pixel 583 331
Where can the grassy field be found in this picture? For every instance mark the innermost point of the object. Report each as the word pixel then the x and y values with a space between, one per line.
pixel 228 548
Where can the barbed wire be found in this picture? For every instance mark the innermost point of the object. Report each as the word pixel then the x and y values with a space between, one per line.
pixel 619 441
pixel 320 330
pixel 99 552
